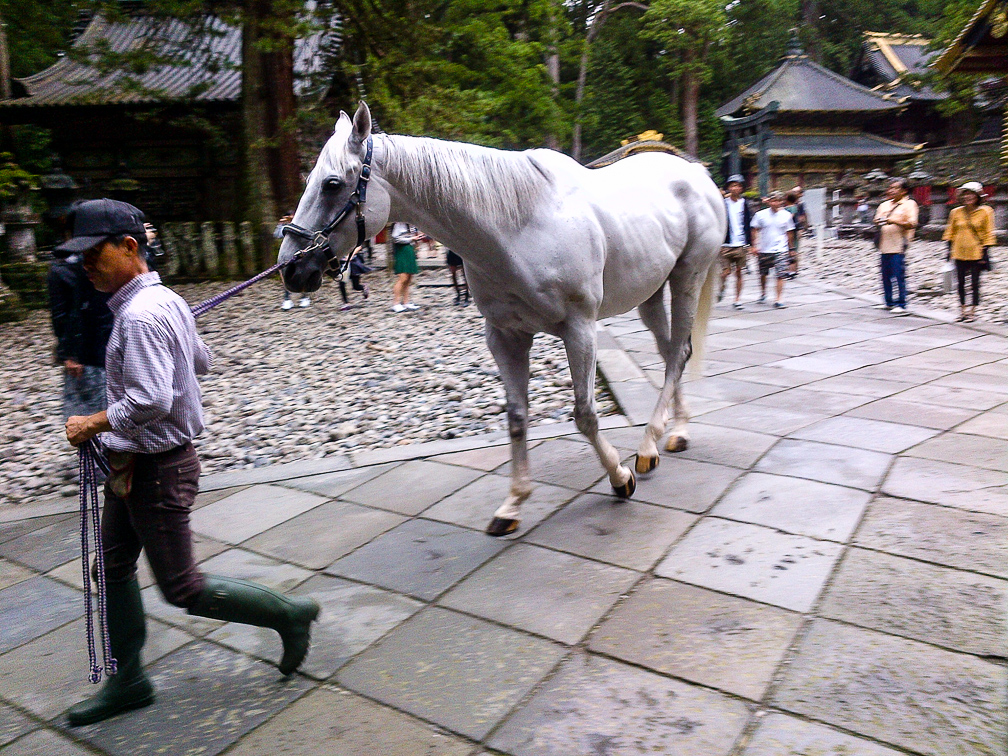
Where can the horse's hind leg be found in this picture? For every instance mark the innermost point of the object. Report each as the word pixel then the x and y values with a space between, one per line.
pixel 652 313
pixel 510 350
pixel 580 342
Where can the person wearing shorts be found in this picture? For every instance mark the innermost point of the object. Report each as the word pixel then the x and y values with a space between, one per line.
pixel 404 266
pixel 457 270
pixel 737 236
pixel 773 235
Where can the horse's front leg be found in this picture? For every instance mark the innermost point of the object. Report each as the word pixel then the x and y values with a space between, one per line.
pixel 580 341
pixel 510 350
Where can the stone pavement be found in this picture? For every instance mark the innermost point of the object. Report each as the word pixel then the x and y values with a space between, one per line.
pixel 824 571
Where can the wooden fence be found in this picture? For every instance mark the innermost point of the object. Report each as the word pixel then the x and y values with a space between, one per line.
pixel 210 250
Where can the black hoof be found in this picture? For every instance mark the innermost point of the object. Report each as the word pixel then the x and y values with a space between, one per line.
pixel 626 490
pixel 646 464
pixel 502 526
pixel 677 444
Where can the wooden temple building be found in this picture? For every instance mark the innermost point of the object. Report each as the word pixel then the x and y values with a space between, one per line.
pixel 819 125
pixel 164 138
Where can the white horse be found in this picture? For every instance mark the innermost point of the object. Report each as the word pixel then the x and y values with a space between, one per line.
pixel 549 246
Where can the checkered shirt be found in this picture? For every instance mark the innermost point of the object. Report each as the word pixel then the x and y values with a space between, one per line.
pixel 153 357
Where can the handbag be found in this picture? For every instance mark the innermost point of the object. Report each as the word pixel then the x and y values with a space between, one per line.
pixel 948 277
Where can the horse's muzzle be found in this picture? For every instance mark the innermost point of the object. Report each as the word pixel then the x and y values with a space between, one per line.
pixel 302 276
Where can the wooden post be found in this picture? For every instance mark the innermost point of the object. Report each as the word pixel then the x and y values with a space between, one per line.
pixel 248 251
pixel 171 244
pixel 208 249
pixel 230 250
pixel 192 257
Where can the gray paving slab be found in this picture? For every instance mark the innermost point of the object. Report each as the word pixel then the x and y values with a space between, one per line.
pixel 45 743
pixel 953 537
pixel 46 547
pixel 947 358
pixel 215 494
pixel 719 641
pixel 958 610
pixel 322 535
pixel 412 487
pixel 827 463
pixel 353 617
pixel 971 488
pixel 783 735
pixel 541 591
pixel 773 376
pixel 251 511
pixel 339 723
pixel 898 691
pixel 726 446
pixel 805 399
pixel 754 562
pixel 950 396
pixel 762 419
pixel 974 381
pixel 965 449
pixel 795 505
pixel 486 459
pixel 19 527
pixel 335 484
pixel 622 532
pixel 13 724
pixel 993 424
pixel 858 385
pixel 896 410
pixel 420 558
pixel 11 573
pixel 50 674
pixel 727 389
pixel 247 565
pixel 459 672
pixel 680 483
pixel 862 433
pixel 473 506
pixel 273 473
pixel 33 607
pixel 207 698
pixel 599 706
pixel 568 463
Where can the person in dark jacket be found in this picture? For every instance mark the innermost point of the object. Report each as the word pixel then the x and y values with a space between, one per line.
pixel 82 322
pixel 737 236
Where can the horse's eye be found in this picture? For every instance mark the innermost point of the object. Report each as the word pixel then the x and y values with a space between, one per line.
pixel 333 184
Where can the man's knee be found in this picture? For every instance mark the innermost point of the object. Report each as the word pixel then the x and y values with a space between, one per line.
pixel 182 590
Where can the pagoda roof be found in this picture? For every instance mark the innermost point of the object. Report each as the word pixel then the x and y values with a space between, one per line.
pixel 981 45
pixel 895 59
pixel 194 61
pixel 802 86
pixel 833 145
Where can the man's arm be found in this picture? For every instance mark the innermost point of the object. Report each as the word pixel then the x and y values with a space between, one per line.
pixel 202 357
pixel 80 428
pixel 66 321
pixel 148 367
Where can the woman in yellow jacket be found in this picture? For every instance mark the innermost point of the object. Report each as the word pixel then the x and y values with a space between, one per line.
pixel 969 233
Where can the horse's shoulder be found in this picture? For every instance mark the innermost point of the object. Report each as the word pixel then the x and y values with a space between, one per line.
pixel 554 166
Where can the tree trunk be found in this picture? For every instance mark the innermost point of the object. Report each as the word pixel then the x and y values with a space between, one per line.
pixel 553 71
pixel 810 13
pixel 690 98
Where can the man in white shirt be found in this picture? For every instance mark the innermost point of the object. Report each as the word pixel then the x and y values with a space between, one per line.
pixel 896 219
pixel 736 244
pixel 773 235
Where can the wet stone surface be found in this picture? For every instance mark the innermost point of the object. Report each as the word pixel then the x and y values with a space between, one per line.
pixel 898 691
pixel 782 735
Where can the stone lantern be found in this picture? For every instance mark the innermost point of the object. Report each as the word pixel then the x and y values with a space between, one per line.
pixel 19 220
pixel 123 187
pixel 920 178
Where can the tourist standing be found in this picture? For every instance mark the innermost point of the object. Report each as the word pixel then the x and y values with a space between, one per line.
pixel 355 270
pixel 288 302
pixel 404 266
pixel 773 235
pixel 456 267
pixel 970 234
pixel 154 411
pixel 794 205
pixel 896 220
pixel 737 237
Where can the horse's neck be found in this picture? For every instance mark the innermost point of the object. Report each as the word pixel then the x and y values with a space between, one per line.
pixel 469 198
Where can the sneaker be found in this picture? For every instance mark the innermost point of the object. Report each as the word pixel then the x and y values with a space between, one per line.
pixel 346 307
pixel 305 302
pixel 397 307
pixel 737 305
pixel 779 305
pixel 762 299
pixel 898 311
pixel 287 304
pixel 367 292
pixel 881 307
pixel 411 306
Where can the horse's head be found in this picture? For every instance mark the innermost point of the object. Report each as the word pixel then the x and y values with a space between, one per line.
pixel 331 184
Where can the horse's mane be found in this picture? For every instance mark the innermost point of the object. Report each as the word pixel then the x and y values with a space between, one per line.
pixel 498 185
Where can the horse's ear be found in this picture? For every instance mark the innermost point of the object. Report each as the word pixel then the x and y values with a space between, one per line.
pixel 361 123
pixel 342 117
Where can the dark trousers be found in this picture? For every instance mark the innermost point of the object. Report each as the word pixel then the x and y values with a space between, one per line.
pixel 355 282
pixel 969 268
pixel 155 517
pixel 894 270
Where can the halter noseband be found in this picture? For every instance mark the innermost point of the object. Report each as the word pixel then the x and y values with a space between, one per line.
pixel 320 239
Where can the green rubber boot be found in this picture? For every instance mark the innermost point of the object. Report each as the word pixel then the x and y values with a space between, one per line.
pixel 253 604
pixel 129 688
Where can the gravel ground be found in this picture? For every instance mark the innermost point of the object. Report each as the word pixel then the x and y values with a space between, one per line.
pixel 298 384
pixel 853 265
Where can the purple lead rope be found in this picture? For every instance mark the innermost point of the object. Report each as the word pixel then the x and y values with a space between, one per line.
pixel 215 300
pixel 89 459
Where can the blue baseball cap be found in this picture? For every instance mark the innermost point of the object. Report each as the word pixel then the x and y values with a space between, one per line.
pixel 94 221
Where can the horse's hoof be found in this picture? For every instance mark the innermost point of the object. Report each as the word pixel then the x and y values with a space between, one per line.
pixel 626 490
pixel 677 444
pixel 502 526
pixel 646 464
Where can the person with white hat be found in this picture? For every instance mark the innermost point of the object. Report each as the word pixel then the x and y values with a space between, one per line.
pixel 970 234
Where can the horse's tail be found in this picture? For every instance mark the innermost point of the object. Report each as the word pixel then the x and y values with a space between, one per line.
pixel 698 338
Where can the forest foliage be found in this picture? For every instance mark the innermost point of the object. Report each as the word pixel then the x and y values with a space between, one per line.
pixel 505 72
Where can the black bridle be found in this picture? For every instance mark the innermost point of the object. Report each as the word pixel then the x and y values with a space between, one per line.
pixel 320 239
